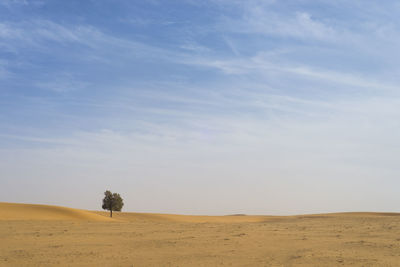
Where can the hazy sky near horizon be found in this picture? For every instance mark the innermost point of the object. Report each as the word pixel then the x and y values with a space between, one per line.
pixel 201 107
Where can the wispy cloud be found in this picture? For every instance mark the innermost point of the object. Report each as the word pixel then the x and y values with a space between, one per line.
pixel 262 65
pixel 298 25
pixel 61 83
pixel 9 3
pixel 4 73
pixel 38 33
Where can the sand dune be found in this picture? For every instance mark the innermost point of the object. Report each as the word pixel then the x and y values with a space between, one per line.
pixel 158 217
pixel 16 211
pixel 41 235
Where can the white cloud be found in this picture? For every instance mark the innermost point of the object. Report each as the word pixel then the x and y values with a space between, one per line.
pixel 194 47
pixel 257 19
pixel 260 64
pixel 18 3
pixel 103 47
pixel 13 2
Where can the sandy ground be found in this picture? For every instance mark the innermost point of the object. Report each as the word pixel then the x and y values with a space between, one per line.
pixel 37 235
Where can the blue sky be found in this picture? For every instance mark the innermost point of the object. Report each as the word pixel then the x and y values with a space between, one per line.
pixel 201 107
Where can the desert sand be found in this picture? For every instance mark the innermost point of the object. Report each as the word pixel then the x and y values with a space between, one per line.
pixel 40 235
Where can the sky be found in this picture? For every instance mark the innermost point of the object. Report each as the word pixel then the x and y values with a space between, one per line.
pixel 201 107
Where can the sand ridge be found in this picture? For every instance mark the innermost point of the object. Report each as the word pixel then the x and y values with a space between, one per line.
pixel 17 211
pixel 160 217
pixel 241 218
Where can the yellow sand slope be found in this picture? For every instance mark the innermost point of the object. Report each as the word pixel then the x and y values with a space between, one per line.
pixel 15 211
pixel 41 235
pixel 157 217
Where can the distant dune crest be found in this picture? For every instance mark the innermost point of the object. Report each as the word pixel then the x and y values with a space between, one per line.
pixel 15 211
pixel 18 212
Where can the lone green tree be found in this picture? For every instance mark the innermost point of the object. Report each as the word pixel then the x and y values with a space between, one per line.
pixel 112 202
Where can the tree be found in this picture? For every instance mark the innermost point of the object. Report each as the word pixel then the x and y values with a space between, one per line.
pixel 112 202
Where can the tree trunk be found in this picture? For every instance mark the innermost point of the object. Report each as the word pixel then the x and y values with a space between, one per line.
pixel 111 206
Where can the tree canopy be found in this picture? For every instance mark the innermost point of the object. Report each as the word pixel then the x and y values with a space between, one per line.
pixel 112 202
